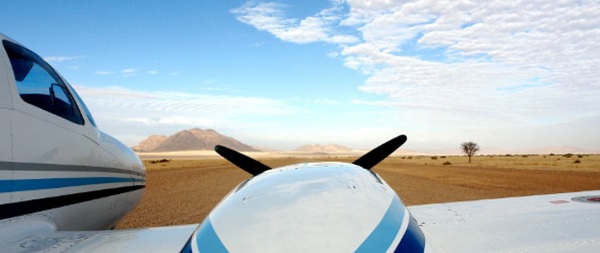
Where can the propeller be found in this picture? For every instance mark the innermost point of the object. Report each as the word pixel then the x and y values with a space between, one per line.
pixel 369 160
pixel 244 162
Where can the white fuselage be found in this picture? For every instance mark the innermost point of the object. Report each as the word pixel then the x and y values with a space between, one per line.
pixel 65 174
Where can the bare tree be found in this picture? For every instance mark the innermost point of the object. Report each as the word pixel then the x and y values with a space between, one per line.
pixel 469 148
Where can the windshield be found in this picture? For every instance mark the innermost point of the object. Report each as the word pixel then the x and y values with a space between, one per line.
pixel 82 105
pixel 39 85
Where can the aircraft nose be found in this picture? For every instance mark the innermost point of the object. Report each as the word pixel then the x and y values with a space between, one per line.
pixel 125 157
pixel 138 172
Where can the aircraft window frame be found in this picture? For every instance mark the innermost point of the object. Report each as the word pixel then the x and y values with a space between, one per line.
pixel 40 85
pixel 86 111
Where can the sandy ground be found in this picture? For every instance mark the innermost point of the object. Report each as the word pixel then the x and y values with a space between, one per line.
pixel 185 191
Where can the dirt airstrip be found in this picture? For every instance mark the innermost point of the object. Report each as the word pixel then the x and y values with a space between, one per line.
pixel 185 191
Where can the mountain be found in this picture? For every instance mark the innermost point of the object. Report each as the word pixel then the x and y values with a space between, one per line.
pixel 558 150
pixel 149 143
pixel 192 139
pixel 329 148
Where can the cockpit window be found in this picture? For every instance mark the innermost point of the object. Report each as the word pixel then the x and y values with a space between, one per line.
pixel 84 107
pixel 39 85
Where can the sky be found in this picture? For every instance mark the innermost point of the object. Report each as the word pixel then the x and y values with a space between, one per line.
pixel 510 75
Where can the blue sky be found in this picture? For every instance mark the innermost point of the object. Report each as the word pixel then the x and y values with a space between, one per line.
pixel 508 75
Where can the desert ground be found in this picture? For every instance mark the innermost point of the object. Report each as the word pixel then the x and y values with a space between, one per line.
pixel 184 189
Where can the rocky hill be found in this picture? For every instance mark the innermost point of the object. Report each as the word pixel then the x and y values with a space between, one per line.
pixel 192 139
pixel 317 148
pixel 150 143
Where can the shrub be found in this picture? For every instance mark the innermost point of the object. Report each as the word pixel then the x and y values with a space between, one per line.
pixel 447 163
pixel 577 161
pixel 434 158
pixel 569 155
pixel 443 156
pixel 160 161
pixel 579 156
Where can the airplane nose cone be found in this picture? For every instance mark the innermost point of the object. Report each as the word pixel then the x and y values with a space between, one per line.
pixel 321 207
pixel 126 158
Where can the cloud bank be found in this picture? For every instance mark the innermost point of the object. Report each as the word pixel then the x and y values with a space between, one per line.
pixel 467 65
pixel 150 112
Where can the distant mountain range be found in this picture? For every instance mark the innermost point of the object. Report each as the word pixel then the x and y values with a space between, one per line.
pixel 316 148
pixel 199 139
pixel 192 139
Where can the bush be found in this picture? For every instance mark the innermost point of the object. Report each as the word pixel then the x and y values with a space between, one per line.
pixel 443 156
pixel 447 163
pixel 160 161
pixel 577 161
pixel 434 158
pixel 568 155
pixel 579 156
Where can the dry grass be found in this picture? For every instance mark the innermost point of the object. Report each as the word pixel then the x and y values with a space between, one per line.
pixel 562 162
pixel 183 191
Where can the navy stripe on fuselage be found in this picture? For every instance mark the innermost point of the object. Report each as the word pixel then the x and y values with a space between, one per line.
pixel 38 205
pixel 15 166
pixel 413 240
pixel 17 185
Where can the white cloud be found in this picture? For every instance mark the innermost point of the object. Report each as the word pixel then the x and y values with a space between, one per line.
pixel 270 17
pixel 363 11
pixel 552 45
pixel 326 101
pixel 117 110
pixel 128 71
pixel 120 98
pixel 60 59
pixel 453 66
pixel 103 73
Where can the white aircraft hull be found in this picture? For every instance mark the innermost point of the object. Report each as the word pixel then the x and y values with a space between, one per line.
pixel 57 172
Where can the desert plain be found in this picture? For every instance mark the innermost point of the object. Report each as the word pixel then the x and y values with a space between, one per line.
pixel 184 188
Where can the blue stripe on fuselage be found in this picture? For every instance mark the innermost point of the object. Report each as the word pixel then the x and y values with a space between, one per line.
pixel 52 183
pixel 207 239
pixel 384 234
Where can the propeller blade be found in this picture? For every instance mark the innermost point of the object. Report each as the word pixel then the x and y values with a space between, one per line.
pixel 369 160
pixel 244 162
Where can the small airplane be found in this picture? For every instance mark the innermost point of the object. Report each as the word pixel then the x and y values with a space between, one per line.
pixel 63 183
